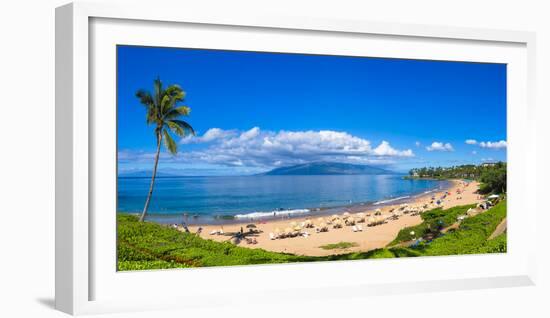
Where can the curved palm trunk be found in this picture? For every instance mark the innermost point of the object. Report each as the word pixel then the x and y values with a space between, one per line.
pixel 144 213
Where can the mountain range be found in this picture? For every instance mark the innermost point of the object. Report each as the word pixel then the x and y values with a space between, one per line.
pixel 327 168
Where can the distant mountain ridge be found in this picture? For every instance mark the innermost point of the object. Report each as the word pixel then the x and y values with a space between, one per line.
pixel 328 168
pixel 144 174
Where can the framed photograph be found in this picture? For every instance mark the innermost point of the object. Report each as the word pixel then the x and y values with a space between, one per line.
pixel 287 159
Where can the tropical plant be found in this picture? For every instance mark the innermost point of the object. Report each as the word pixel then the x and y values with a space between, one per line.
pixel 492 176
pixel 163 111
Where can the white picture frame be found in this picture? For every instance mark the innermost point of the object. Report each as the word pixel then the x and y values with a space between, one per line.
pixel 78 159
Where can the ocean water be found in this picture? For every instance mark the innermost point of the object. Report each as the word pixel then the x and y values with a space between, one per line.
pixel 222 199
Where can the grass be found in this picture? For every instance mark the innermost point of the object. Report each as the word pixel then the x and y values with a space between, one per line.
pixel 433 220
pixel 149 245
pixel 472 235
pixel 341 245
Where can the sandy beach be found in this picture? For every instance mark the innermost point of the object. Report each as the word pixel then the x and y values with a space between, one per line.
pixel 371 237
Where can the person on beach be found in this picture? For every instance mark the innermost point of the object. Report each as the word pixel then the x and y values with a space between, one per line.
pixel 184 225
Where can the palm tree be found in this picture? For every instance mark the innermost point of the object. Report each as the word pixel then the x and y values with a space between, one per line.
pixel 163 110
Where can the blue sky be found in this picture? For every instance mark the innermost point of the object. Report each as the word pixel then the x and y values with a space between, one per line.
pixel 254 111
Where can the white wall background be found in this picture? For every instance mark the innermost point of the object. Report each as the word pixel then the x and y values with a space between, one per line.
pixel 27 156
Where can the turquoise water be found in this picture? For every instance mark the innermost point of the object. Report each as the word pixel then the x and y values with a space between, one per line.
pixel 207 199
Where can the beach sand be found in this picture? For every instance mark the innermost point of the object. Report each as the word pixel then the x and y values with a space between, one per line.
pixel 370 238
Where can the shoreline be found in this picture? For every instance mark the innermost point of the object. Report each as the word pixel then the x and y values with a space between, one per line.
pixel 371 237
pixel 290 214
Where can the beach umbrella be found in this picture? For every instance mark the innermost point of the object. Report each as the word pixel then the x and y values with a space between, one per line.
pixel 293 224
pixel 251 226
pixel 277 230
pixel 288 230
pixel 334 217
pixel 297 228
pixel 321 220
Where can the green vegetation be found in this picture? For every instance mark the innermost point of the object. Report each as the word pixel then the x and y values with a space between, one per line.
pixel 472 235
pixel 341 245
pixel 433 221
pixel 147 245
pixel 493 180
pixel 492 176
pixel 163 111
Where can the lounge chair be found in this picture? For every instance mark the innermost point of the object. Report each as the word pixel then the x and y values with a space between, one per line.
pixel 359 228
pixel 354 228
pixel 272 236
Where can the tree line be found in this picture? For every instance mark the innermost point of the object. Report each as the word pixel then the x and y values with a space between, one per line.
pixel 492 176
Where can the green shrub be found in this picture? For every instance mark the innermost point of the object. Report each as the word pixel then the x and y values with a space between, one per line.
pixel 433 221
pixel 472 235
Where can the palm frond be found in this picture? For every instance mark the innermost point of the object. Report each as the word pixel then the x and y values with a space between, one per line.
pixel 166 103
pixel 145 98
pixel 172 95
pixel 177 112
pixel 186 127
pixel 175 92
pixel 175 128
pixel 169 143
pixel 151 115
pixel 158 90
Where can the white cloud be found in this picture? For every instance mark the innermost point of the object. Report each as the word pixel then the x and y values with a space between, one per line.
pixel 258 148
pixel 210 135
pixel 487 144
pixel 493 144
pixel 384 149
pixel 474 152
pixel 250 134
pixel 417 143
pixel 439 146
